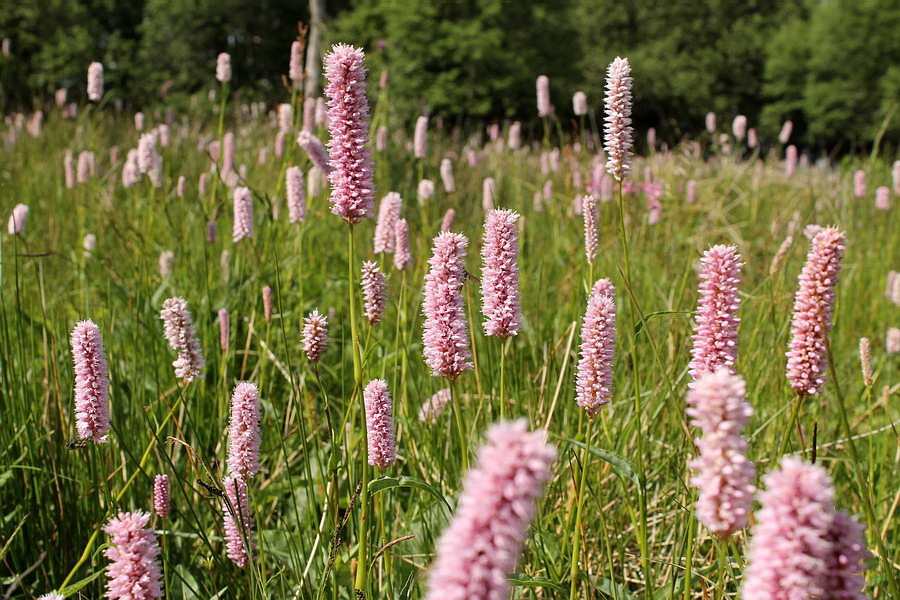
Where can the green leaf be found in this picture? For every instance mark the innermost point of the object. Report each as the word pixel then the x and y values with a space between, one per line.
pixel 523 580
pixel 70 590
pixel 386 483
pixel 621 466
pixel 639 326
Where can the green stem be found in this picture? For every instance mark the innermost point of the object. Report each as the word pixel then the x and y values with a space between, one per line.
pixel 503 401
pixel 576 533
pixel 460 430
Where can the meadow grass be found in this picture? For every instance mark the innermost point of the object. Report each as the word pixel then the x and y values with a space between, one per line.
pixel 640 538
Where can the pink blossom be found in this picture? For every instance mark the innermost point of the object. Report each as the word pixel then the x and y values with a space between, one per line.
pixel 267 303
pixel 481 546
pixel 285 115
pixel 211 231
pixel 181 186
pixel 711 122
pixel 224 328
pixel 161 499
pixel 296 196
pixel 785 134
pixel 295 68
pixel 223 67
pixel 618 131
pixel 790 549
pixel 243 214
pixel 488 188
pixel 500 274
pixel 447 220
pixel 594 380
pixel 238 522
pixel 95 82
pixel 379 424
pixel 724 474
pixel 91 382
pixel 716 332
pixel 447 175
pixel 388 213
pixel 243 431
pixel 309 114
pixel 739 127
pixel 315 335
pixel 374 294
pixel 445 336
pixel 579 104
pixel 790 161
pixel 86 166
pixel 514 137
pixel 691 188
pixel 315 150
pixel 425 191
pixel 434 406
pixel 419 138
pixel 69 169
pixel 228 153
pixel 180 333
pixel 16 223
pixel 352 188
pixel 543 96
pixel 133 572
pixel 279 144
pixel 591 239
pixel 752 142
pixel 402 254
pixel 883 198
pixel 859 184
pixel 381 137
pixel 813 308
pixel 845 563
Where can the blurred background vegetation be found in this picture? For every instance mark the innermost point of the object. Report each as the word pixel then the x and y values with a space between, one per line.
pixel 831 66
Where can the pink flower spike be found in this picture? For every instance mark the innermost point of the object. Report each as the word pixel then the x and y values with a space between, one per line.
pixel 859 184
pixel 374 293
pixel 379 424
pixel 813 308
pixel 618 131
pixel 295 66
pixel 419 138
pixel 16 224
pixel 402 254
pixel 591 237
pixel 447 175
pixel 542 86
pixel 789 550
pixel 724 474
pixel 161 499
pixel 133 572
pixel 594 380
pixel 238 522
pixel 243 214
pixel 315 335
pixel 500 274
pixel 447 220
pixel 91 382
pixel 846 561
pixel 482 544
pixel 445 335
pixel 352 188
pixel 296 195
pixel 223 67
pixel 243 431
pixel 715 334
pixel 95 82
pixel 434 406
pixel 388 213
pixel 180 333
pixel 315 150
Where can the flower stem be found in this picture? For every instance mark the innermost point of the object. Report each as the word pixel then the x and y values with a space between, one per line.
pixel 579 507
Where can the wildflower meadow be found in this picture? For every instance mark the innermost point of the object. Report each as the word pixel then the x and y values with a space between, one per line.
pixel 325 349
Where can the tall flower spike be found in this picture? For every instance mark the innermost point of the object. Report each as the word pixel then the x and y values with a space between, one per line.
pixel 500 274
pixel 224 328
pixel 296 195
pixel 813 308
pixel 447 220
pixel 739 127
pixel 402 254
pixel 488 190
pixel 724 474
pixel 352 189
pixel 379 424
pixel 95 82
pixel 543 96
pixel 267 297
pixel 845 563
pixel 711 122
pixel 295 67
pixel 715 334
pixel 591 237
pixel 785 134
pixel 420 147
pixel 16 224
pixel 315 335
pixel 425 191
pixel 223 67
pixel 388 213
pixel 91 382
pixel 373 290
pixel 315 150
pixel 618 133
pixel 434 406
pixel 594 380
pixel 243 431
pixel 445 336
pixel 447 175
pixel 133 572
pixel 243 214
pixel 179 331
pixel 579 104
pixel 859 184
pixel 161 498
pixel 481 546
pixel 238 522
pixel 789 550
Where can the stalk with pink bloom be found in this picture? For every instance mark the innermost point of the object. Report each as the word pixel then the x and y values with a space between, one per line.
pixel 402 254
pixel 182 337
pixel 315 335
pixel 374 293
pixel 243 431
pixel 419 138
pixel 388 213
pixel 243 214
pixel 238 522
pixel 133 572
pixel 296 195
pixel 161 499
pixel 481 546
pixel 379 424
pixel 91 382
pixel 95 82
pixel 715 333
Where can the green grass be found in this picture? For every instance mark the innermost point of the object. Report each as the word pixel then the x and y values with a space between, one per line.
pixel 639 535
